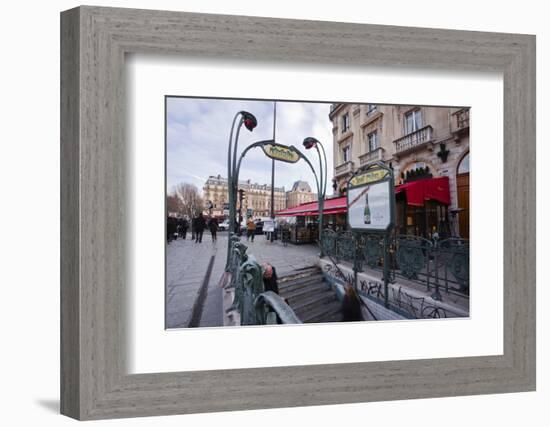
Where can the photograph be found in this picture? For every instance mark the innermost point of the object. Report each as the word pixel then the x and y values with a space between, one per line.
pixel 288 212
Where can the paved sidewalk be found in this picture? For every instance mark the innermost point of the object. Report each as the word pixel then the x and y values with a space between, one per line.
pixel 187 265
pixel 285 259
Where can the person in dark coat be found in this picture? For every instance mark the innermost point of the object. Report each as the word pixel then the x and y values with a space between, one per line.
pixel 351 305
pixel 184 225
pixel 270 278
pixel 171 228
pixel 199 228
pixel 193 227
pixel 213 226
pixel 270 283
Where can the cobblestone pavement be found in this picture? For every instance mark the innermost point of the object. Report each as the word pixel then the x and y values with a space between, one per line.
pixel 187 264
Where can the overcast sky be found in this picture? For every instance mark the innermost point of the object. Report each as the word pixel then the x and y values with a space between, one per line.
pixel 198 134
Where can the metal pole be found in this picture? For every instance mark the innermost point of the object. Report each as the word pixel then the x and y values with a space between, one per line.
pixel 386 269
pixel 273 173
pixel 229 184
pixel 322 192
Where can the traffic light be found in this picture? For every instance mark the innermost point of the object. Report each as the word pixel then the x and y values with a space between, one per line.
pixel 242 196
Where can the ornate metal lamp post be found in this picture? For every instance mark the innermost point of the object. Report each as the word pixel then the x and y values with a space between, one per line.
pixel 308 143
pixel 250 123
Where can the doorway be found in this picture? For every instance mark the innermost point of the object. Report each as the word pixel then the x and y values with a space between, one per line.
pixel 463 196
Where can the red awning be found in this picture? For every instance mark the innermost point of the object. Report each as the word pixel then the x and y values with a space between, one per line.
pixel 416 192
pixel 331 206
pixel 419 191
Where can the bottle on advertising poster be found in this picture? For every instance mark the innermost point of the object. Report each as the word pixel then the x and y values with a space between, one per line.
pixel 366 213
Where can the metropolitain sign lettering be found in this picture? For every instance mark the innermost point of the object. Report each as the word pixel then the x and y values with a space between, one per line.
pixel 281 152
pixel 368 177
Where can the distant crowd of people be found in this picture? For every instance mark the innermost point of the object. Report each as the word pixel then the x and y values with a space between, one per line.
pixel 178 227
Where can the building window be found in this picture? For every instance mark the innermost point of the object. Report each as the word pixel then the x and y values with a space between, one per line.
pixel 346 154
pixel 371 109
pixel 372 141
pixel 345 123
pixel 413 121
pixel 464 166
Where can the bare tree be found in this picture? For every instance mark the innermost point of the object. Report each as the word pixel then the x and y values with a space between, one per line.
pixel 191 201
pixel 174 204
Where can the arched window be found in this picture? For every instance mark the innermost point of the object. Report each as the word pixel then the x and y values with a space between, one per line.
pixel 414 166
pixel 415 171
pixel 464 165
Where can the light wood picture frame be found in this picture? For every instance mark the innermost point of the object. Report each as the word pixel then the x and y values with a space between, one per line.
pixel 94 382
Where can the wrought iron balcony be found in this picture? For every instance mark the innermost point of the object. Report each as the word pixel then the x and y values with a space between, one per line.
pixel 343 169
pixel 371 156
pixel 414 140
pixel 333 108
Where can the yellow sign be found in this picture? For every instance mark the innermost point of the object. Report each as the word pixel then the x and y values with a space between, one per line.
pixel 368 177
pixel 281 152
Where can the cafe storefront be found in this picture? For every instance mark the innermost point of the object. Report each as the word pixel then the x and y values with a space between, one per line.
pixel 302 221
pixel 422 207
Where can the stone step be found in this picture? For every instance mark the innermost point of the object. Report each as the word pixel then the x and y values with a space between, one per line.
pixel 293 284
pixel 323 313
pixel 296 274
pixel 303 289
pixel 310 302
pixel 336 317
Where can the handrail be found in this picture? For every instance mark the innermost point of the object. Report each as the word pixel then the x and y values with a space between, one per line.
pixel 250 298
pixel 433 262
pixel 270 300
pixel 343 276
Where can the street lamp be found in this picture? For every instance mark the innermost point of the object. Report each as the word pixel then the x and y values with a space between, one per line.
pixel 308 143
pixel 250 123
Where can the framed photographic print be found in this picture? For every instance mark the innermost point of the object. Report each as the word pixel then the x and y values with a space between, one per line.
pixel 336 212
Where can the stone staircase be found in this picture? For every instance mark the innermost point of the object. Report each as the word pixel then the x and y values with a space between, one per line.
pixel 310 296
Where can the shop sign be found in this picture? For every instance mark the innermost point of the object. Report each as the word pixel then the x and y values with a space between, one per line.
pixel 371 200
pixel 368 177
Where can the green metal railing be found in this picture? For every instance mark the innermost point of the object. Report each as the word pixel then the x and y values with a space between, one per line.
pixel 255 305
pixel 437 264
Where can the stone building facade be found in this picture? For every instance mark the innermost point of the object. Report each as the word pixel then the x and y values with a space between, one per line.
pixel 415 141
pixel 300 193
pixel 257 197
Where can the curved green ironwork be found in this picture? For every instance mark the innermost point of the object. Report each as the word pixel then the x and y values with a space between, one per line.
pixel 372 249
pixel 412 255
pixel 320 185
pixel 328 242
pixel 271 141
pixel 345 247
pixel 455 257
pixel 270 307
pixel 230 169
pixel 238 257
pixel 252 285
pixel 255 306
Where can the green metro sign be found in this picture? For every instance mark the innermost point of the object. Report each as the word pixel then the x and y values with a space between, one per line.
pixel 281 152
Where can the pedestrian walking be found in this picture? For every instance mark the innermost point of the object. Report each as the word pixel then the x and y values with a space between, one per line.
pixel 351 305
pixel 213 226
pixel 184 225
pixel 199 228
pixel 171 229
pixel 193 227
pixel 250 229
